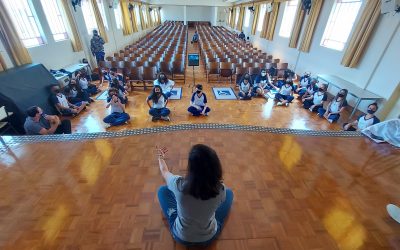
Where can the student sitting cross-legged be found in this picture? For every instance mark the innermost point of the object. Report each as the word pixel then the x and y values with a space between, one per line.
pixel 363 121
pixel 262 84
pixel 157 102
pixel 285 94
pixel 117 114
pixel 165 84
pixel 245 87
pixel 60 102
pixel 198 102
pixel 317 100
pixel 309 90
pixel 305 80
pixel 335 107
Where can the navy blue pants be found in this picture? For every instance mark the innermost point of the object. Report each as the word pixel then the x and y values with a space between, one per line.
pixel 288 98
pixel 116 118
pixel 245 95
pixel 168 205
pixel 197 112
pixel 333 117
pixel 159 112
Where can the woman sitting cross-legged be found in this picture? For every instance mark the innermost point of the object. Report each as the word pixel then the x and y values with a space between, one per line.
pixel 196 205
pixel 317 100
pixel 335 107
pixel 245 87
pixel 262 84
pixel 363 121
pixel 285 94
pixel 117 115
pixel 198 103
pixel 157 102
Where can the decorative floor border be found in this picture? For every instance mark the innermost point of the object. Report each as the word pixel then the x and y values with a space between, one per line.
pixel 12 140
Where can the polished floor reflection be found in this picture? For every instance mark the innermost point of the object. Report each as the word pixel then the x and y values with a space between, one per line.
pixel 291 192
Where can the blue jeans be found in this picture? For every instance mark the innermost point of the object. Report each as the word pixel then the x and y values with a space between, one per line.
pixel 196 112
pixel 99 56
pixel 280 97
pixel 116 118
pixel 334 117
pixel 168 205
pixel 168 94
pixel 159 112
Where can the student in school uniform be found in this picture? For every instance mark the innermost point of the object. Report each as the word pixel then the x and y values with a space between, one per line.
pixel 262 84
pixel 122 92
pixel 60 102
pixel 117 115
pixel 85 85
pixel 166 84
pixel 198 102
pixel 317 100
pixel 363 121
pixel 157 102
pixel 305 80
pixel 311 88
pixel 335 107
pixel 245 88
pixel 285 94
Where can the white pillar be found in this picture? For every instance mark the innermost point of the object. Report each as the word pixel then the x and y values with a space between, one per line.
pixel 184 15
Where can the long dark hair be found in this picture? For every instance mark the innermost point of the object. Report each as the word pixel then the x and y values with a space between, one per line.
pixel 343 98
pixel 203 180
pixel 248 77
pixel 153 95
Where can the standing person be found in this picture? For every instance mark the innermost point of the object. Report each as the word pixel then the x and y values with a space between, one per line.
pixel 157 102
pixel 245 90
pixel 285 94
pixel 117 115
pixel 242 36
pixel 335 107
pixel 97 46
pixel 165 84
pixel 38 123
pixel 198 102
pixel 196 205
pixel 363 121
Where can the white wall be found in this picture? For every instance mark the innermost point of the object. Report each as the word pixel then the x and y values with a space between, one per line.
pixel 56 55
pixel 378 67
pixel 193 13
pixel 172 13
pixel 199 13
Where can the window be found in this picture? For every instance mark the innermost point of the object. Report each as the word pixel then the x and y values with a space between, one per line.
pixel 261 17
pixel 118 16
pixel 247 18
pixel 237 16
pixel 100 3
pixel 137 14
pixel 144 15
pixel 340 23
pixel 88 15
pixel 288 18
pixel 24 21
pixel 55 20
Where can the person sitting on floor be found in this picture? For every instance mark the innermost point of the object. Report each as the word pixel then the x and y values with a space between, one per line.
pixel 157 102
pixel 198 102
pixel 112 73
pixel 195 37
pixel 74 93
pixel 165 84
pixel 90 89
pixel 122 92
pixel 245 88
pixel 38 123
pixel 363 121
pixel 285 94
pixel 61 103
pixel 262 84
pixel 335 107
pixel 117 115
pixel 317 100
pixel 196 205
pixel 311 88
pixel 305 80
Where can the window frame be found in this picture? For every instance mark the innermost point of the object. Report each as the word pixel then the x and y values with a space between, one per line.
pixel 118 17
pixel 86 17
pixel 284 30
pixel 102 9
pixel 263 12
pixel 247 16
pixel 58 16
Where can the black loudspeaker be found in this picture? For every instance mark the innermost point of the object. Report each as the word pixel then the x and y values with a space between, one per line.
pixel 23 87
pixel 194 59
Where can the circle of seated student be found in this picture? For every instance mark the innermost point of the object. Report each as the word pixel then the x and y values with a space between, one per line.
pixel 285 94
pixel 335 107
pixel 38 123
pixel 64 107
pixel 117 115
pixel 363 121
pixel 317 100
pixel 166 84
pixel 245 87
pixel 195 205
pixel 262 84
pixel 198 102
pixel 157 102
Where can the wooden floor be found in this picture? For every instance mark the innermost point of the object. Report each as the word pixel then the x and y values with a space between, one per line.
pixel 291 192
pixel 255 112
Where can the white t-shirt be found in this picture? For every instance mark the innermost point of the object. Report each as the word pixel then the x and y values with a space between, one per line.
pixel 196 218
pixel 166 87
pixel 285 90
pixel 245 87
pixel 199 101
pixel 364 123
pixel 83 83
pixel 63 100
pixel 319 97
pixel 160 103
